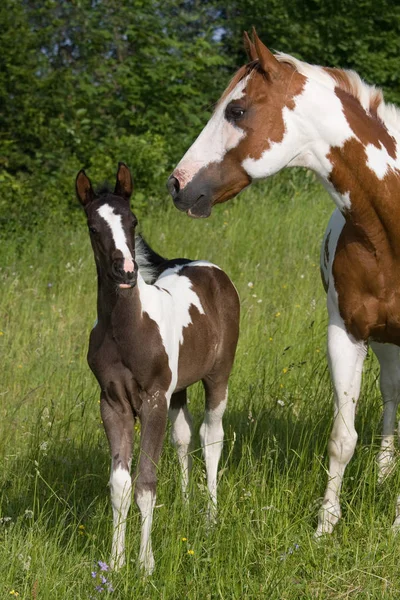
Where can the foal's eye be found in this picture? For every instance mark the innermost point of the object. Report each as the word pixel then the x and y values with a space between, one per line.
pixel 93 229
pixel 234 113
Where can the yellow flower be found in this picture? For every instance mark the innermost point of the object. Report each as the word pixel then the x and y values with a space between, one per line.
pixel 270 339
pixel 1 332
pixel 190 551
pixel 278 314
pixel 285 370
pixel 184 539
pixel 317 350
pixel 14 593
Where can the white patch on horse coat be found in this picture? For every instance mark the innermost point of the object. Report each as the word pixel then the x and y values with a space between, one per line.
pixel 146 501
pixel 379 160
pixel 114 222
pixel 212 437
pixel 168 302
pixel 315 125
pixel 217 137
pixel 121 486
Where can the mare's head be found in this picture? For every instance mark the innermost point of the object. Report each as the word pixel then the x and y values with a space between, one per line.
pixel 248 119
pixel 111 226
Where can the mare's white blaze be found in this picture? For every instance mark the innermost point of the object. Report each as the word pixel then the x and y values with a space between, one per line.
pixel 217 137
pixel 168 303
pixel 315 125
pixel 113 220
pixel 121 487
pixel 379 160
pixel 212 437
pixel 146 501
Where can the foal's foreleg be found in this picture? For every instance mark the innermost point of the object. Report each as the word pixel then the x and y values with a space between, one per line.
pixel 153 417
pixel 212 437
pixel 346 358
pixel 181 435
pixel 118 422
pixel 388 356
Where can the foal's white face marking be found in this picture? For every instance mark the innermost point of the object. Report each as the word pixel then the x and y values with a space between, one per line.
pixel 113 220
pixel 379 161
pixel 217 137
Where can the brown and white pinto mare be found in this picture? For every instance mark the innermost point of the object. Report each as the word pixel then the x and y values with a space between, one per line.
pixel 151 341
pixel 279 112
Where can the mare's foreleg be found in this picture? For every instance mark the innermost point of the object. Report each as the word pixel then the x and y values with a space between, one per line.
pixel 212 436
pixel 153 418
pixel 181 435
pixel 118 423
pixel 346 358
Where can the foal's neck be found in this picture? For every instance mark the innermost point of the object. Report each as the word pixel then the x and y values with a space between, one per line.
pixel 116 305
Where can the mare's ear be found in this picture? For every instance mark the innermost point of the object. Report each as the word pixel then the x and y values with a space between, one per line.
pixel 270 65
pixel 83 188
pixel 249 47
pixel 124 183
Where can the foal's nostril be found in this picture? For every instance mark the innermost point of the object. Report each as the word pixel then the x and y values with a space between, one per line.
pixel 173 186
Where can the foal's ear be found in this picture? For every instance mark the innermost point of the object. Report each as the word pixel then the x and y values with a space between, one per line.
pixel 124 183
pixel 249 47
pixel 83 187
pixel 270 65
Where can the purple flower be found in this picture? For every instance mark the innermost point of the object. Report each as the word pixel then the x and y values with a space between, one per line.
pixel 94 574
pixel 103 566
pixel 99 588
pixel 103 579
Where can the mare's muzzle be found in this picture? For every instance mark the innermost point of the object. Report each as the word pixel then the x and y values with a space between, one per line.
pixel 195 198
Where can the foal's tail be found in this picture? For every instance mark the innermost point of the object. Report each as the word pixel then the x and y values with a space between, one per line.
pixel 149 262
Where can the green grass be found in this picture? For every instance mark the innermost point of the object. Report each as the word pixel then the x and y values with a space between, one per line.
pixel 55 509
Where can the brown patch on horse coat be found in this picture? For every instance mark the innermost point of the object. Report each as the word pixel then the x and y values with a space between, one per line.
pixel 366 267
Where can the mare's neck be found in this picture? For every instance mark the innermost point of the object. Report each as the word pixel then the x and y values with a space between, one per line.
pixel 356 158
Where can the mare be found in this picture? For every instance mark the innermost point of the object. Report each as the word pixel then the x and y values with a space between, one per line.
pixel 151 341
pixel 280 112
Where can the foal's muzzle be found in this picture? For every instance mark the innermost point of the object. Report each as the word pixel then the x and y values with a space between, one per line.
pixel 124 279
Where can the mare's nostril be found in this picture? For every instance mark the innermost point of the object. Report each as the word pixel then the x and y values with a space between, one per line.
pixel 173 186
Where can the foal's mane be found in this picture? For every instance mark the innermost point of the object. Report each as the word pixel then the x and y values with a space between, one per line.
pixel 369 96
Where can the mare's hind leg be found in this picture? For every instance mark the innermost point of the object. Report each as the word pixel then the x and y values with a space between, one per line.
pixel 388 356
pixel 118 423
pixel 212 436
pixel 346 358
pixel 181 435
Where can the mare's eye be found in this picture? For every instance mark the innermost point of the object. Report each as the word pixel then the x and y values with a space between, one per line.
pixel 92 229
pixel 234 113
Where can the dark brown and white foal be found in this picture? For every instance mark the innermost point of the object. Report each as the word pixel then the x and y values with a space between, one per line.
pixel 152 341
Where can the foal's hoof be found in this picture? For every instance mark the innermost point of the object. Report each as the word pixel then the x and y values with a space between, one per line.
pixel 147 564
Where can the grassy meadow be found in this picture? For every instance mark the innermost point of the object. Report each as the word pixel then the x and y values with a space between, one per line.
pixel 55 510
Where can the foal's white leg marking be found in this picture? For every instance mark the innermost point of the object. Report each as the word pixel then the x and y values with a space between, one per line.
pixel 212 437
pixel 346 358
pixel 113 220
pixel 181 435
pixel 146 500
pixel 388 356
pixel 121 489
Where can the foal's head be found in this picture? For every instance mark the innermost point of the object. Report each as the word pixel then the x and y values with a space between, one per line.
pixel 111 226
pixel 248 120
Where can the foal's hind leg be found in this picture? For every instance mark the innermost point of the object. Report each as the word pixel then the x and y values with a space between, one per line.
pixel 346 358
pixel 388 356
pixel 118 422
pixel 212 436
pixel 181 435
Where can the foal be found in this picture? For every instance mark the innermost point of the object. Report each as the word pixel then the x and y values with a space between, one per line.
pixel 150 343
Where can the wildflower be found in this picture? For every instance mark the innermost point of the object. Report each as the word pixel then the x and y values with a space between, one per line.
pixel 191 552
pixel 317 350
pixel 270 339
pixel 184 539
pixel 280 402
pixel 1 332
pixel 285 370
pixel 259 300
pixel 28 514
pixel 103 566
pixel 250 284
pixel 14 593
pixel 81 530
pixel 278 314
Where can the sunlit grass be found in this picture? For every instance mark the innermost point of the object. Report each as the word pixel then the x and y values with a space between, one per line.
pixel 55 510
